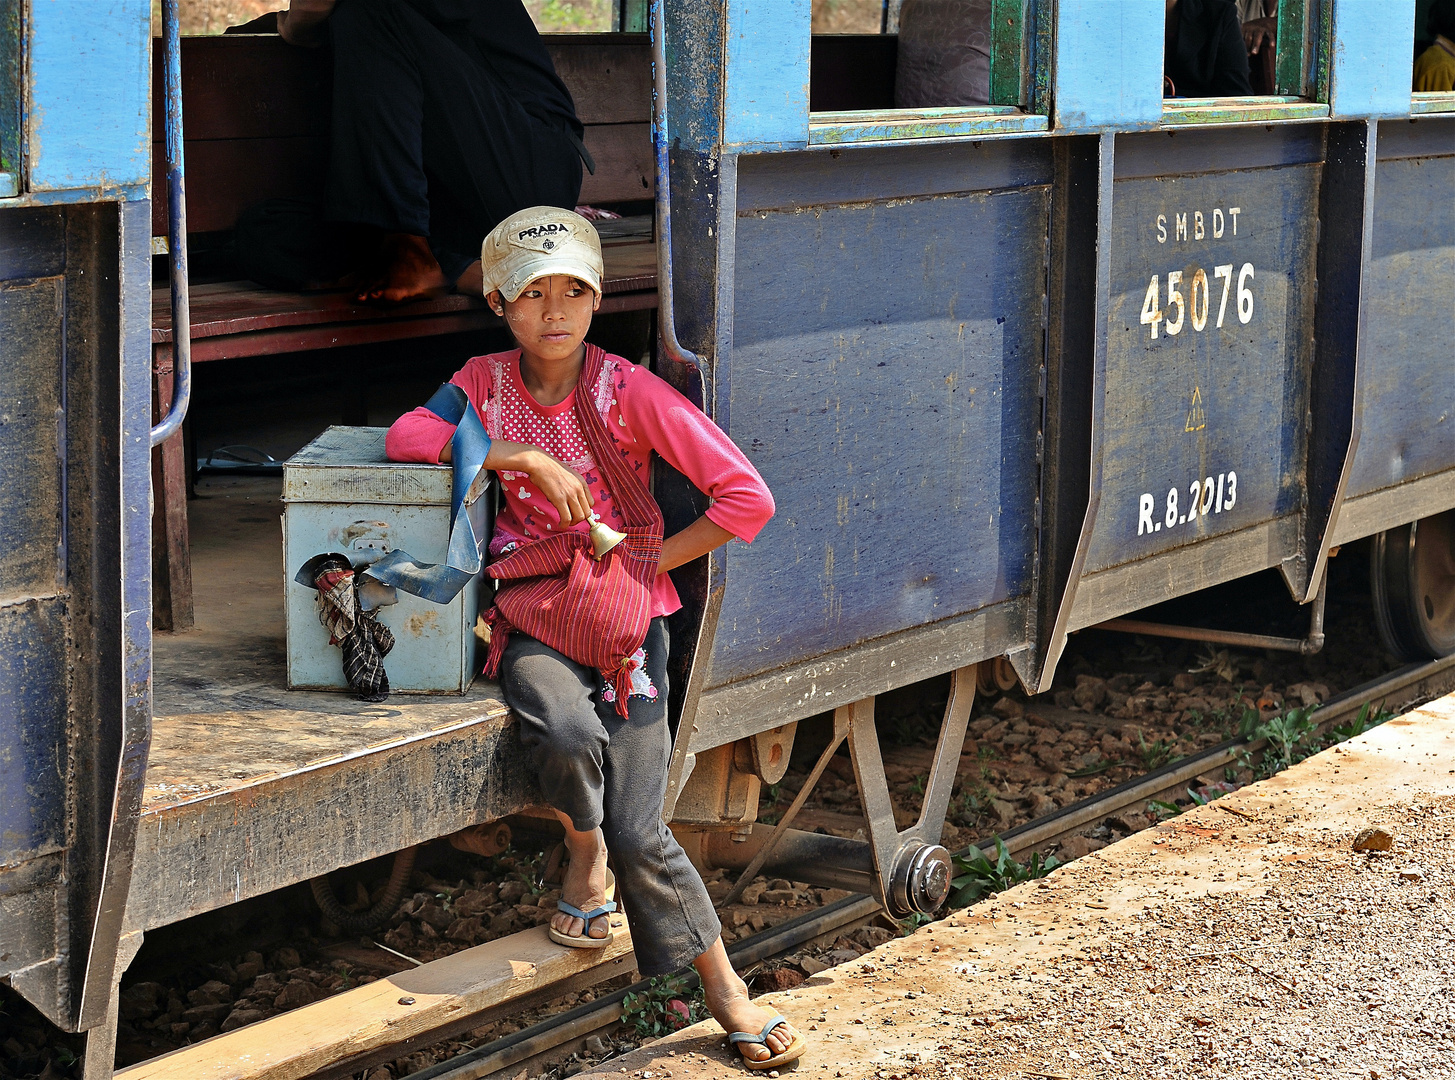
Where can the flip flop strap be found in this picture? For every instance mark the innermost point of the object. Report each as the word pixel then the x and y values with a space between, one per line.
pixel 736 1037
pixel 595 913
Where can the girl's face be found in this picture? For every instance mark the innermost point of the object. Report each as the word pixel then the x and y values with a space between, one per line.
pixel 550 317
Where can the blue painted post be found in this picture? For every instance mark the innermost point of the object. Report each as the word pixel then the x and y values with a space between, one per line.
pixel 765 91
pixel 1371 58
pixel 87 106
pixel 1108 66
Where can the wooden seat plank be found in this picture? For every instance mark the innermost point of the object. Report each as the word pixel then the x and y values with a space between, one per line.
pixel 448 993
pixel 242 307
pixel 226 176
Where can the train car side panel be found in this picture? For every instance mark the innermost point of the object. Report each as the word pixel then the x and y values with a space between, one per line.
pixel 884 377
pixel 1407 445
pixel 1203 440
pixel 1212 279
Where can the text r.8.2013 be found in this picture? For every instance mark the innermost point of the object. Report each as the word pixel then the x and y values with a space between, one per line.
pixel 1211 495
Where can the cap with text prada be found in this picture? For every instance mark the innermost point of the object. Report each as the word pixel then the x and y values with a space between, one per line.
pixel 537 243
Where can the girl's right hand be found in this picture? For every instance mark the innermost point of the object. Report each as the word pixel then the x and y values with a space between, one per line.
pixel 563 486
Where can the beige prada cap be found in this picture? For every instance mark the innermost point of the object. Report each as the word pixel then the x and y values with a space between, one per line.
pixel 536 243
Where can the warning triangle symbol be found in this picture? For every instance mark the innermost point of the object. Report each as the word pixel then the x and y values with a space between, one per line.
pixel 1196 418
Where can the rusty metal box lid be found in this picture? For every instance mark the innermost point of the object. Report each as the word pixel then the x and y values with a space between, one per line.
pixel 348 465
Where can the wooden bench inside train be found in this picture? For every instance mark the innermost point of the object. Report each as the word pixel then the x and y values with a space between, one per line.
pixel 256 122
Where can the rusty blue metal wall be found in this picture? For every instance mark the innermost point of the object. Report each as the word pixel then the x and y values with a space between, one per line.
pixel 75 657
pixel 1214 387
pixel 887 338
pixel 1409 372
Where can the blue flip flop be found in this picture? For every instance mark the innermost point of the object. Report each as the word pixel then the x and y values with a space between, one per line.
pixel 584 940
pixel 793 1053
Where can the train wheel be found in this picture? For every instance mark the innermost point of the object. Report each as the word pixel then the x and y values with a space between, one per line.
pixel 1412 571
pixel 995 676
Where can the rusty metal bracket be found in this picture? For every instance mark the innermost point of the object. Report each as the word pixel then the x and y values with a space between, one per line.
pixel 1305 645
pixel 679 767
pixel 841 732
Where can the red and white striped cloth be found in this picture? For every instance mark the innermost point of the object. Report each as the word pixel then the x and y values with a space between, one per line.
pixel 595 612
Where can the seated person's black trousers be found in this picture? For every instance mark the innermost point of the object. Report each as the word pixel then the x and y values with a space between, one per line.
pixel 431 136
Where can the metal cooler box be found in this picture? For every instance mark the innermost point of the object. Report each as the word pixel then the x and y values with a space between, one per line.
pixel 341 494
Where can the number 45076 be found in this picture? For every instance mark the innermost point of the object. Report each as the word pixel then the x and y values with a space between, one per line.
pixel 1194 307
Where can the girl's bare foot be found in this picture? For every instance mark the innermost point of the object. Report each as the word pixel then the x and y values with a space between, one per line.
pixel 584 883
pixel 411 272
pixel 728 1001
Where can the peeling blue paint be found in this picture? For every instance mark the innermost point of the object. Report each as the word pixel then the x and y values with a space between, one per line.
pixel 1371 58
pixel 87 108
pixel 1108 65
pixel 765 104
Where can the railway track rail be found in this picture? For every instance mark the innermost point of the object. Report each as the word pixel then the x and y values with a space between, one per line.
pixel 563 1034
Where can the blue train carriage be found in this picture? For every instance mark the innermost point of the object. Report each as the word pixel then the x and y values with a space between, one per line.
pixel 868 291
pixel 1019 370
pixel 946 337
pixel 1266 382
pixel 1401 480
pixel 75 645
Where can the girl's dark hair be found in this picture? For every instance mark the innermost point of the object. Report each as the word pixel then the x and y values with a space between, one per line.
pixel 1441 18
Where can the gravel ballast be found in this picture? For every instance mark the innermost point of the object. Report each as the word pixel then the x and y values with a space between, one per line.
pixel 1243 938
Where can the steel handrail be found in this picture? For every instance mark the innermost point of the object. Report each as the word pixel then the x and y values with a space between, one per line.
pixel 666 323
pixel 176 229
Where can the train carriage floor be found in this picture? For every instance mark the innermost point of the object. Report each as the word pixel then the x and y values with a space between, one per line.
pixel 1248 937
pixel 249 783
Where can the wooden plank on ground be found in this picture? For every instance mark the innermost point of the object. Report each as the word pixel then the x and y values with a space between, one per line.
pixel 381 1014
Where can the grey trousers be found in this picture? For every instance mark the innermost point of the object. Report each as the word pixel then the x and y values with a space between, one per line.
pixel 600 769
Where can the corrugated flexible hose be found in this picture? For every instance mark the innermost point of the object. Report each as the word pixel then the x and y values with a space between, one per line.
pixel 358 922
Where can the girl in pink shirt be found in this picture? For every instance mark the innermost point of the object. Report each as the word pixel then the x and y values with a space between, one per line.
pixel 602 764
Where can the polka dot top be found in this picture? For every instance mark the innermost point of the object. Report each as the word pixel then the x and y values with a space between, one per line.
pixel 643 415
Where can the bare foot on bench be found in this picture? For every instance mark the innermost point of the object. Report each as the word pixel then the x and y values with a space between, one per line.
pixel 472 281
pixel 411 273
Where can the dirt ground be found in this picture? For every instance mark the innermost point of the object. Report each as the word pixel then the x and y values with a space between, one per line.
pixel 1243 938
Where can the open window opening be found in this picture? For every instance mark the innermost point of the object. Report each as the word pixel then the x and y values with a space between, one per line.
pixel 1241 60
pixel 206 18
pixel 1433 81
pixel 888 70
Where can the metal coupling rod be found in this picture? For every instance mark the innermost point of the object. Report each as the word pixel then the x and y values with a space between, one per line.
pixel 176 228
pixel 1305 645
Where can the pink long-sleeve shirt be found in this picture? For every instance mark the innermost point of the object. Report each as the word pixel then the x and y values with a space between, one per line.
pixel 641 412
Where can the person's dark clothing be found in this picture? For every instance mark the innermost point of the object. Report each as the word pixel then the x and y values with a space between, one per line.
pixel 448 117
pixel 1205 55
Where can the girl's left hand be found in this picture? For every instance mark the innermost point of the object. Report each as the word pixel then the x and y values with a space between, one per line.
pixel 702 536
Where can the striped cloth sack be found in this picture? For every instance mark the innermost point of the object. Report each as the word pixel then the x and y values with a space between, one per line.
pixel 595 612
